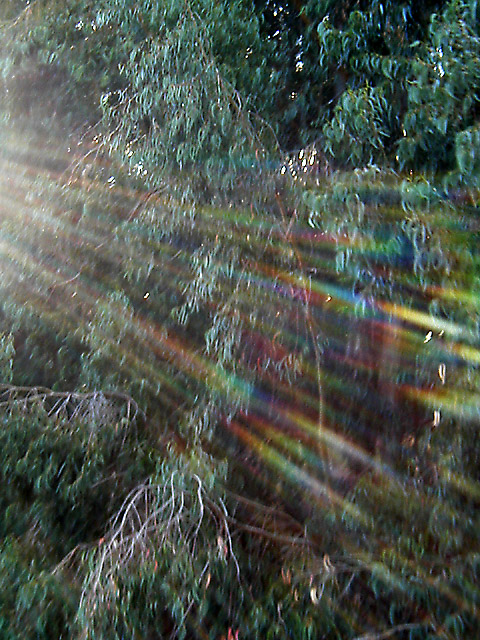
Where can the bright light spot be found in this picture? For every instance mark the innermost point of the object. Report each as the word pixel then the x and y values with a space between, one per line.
pixel 428 337
pixel 442 370
pixel 146 296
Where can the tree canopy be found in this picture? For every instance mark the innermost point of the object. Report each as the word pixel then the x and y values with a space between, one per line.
pixel 239 319
pixel 221 86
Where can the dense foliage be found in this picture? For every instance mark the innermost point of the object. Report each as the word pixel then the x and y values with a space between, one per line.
pixel 239 360
pixel 366 81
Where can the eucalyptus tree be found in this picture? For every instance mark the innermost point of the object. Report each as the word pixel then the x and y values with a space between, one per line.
pixel 440 128
pixel 181 85
pixel 220 86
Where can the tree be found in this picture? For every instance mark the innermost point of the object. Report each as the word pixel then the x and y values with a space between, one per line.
pixel 175 81
pixel 221 88
pixel 440 127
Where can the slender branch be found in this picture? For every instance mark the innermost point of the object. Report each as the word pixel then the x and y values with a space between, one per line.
pixel 23 14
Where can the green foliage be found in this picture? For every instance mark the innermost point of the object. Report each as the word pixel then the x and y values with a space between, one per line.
pixel 57 470
pixel 149 569
pixel 35 602
pixel 367 46
pixel 7 353
pixel 147 539
pixel 467 146
pixel 64 461
pixel 216 88
pixel 360 128
pixel 443 94
pixel 178 107
pixel 248 446
pixel 177 91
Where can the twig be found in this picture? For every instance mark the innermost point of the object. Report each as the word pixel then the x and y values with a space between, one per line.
pixel 264 533
pixel 143 202
pixel 23 14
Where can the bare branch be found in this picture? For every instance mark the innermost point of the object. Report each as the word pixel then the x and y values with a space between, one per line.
pixel 98 406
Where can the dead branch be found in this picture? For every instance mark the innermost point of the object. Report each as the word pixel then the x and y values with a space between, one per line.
pixel 94 405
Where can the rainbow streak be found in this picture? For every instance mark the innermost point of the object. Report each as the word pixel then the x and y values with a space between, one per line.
pixel 316 489
pixel 290 275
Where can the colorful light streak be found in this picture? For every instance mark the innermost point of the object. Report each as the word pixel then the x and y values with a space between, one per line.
pixel 374 351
